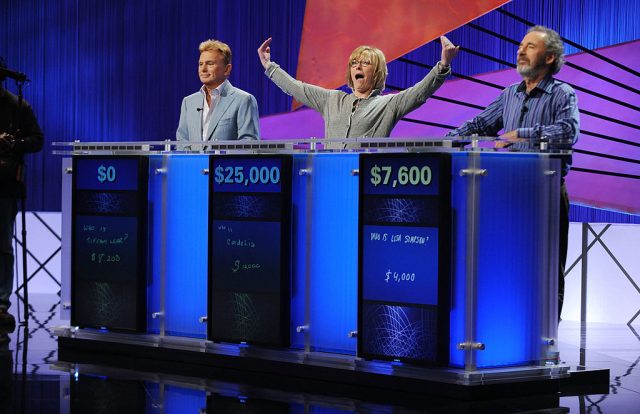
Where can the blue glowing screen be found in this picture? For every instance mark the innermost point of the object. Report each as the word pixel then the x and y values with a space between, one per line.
pixel 249 215
pixel 408 175
pixel 255 174
pixel 246 256
pixel 400 331
pixel 108 243
pixel 403 228
pixel 105 248
pixel 400 264
pixel 106 174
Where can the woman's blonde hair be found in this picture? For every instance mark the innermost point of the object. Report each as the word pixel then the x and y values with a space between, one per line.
pixel 378 61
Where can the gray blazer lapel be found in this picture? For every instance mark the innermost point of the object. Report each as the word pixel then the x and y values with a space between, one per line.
pixel 227 96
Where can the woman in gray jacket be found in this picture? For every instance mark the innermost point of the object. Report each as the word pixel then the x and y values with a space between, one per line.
pixel 365 112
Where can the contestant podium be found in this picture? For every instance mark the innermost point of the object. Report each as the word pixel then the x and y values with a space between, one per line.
pixel 469 269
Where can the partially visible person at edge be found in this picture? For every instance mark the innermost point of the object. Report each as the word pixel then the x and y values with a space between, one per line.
pixel 218 111
pixel 538 108
pixel 365 112
pixel 19 134
pixel 6 372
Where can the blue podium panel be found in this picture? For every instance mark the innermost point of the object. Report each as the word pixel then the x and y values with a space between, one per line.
pixel 459 210
pixel 183 213
pixel 250 249
pixel 512 231
pixel 154 257
pixel 179 400
pixel 404 257
pixel 300 228
pixel 108 265
pixel 332 255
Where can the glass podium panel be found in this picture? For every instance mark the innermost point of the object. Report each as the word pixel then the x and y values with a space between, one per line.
pixel 333 248
pixel 178 206
pixel 506 229
pixel 299 248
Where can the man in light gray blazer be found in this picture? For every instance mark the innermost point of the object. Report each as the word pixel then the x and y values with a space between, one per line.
pixel 218 111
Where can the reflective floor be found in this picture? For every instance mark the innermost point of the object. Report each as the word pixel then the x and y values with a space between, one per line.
pixel 33 381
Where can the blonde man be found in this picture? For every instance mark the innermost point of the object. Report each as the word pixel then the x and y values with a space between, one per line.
pixel 365 112
pixel 218 111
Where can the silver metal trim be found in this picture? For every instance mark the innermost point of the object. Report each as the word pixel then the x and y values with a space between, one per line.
pixel 473 171
pixel 478 346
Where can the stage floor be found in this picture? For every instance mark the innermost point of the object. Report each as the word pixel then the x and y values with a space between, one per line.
pixel 53 386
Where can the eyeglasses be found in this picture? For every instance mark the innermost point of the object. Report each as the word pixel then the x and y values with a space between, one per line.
pixel 364 63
